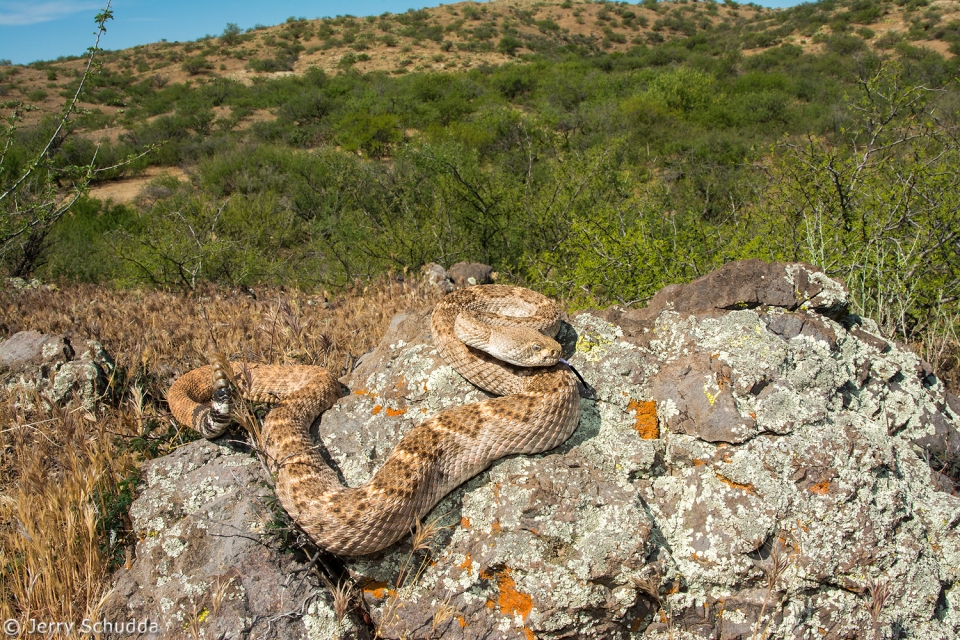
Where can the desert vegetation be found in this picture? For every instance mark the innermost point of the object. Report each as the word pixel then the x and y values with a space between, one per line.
pixel 594 151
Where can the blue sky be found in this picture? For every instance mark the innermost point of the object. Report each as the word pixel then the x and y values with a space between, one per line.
pixel 45 29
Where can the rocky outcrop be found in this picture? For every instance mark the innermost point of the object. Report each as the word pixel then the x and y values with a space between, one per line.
pixel 751 462
pixel 458 276
pixel 48 366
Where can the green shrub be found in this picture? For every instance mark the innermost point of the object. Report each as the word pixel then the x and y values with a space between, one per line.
pixel 196 65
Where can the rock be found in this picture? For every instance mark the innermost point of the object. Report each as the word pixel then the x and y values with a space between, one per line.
pixel 208 561
pixel 49 365
pixel 436 276
pixel 749 457
pixel 460 275
pixel 746 284
pixel 466 274
pixel 30 349
pixel 21 284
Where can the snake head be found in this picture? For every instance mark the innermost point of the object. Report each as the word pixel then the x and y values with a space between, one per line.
pixel 515 343
pixel 543 352
pixel 534 350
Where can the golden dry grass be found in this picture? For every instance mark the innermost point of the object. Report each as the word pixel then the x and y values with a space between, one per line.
pixel 65 472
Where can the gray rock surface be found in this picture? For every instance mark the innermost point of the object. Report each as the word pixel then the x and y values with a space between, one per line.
pixel 751 462
pixel 209 562
pixel 49 366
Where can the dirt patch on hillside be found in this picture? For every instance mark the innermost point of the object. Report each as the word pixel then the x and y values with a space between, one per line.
pixel 126 190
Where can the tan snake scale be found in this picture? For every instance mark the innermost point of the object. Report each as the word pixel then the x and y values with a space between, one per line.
pixel 538 410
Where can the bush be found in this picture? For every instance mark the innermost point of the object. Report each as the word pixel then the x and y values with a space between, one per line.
pixel 196 65
pixel 269 65
pixel 509 44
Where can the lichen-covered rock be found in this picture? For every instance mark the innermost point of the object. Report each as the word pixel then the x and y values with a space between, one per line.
pixel 436 276
pixel 49 365
pixel 751 462
pixel 207 563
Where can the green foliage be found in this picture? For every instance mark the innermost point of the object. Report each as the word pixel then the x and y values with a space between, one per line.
pixel 43 173
pixel 80 236
pixel 196 65
pixel 232 35
pixel 683 89
pixel 881 209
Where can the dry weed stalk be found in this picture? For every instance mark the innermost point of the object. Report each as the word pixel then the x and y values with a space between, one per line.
pixel 651 586
pixel 877 592
pixel 343 594
pixel 777 563
pixel 58 470
pixel 421 538
pixel 445 611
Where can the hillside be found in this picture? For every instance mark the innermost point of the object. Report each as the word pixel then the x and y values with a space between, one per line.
pixel 469 35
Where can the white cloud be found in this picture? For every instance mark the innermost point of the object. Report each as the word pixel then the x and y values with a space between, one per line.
pixel 22 13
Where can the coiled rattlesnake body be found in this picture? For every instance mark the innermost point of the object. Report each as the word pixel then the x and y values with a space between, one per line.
pixel 539 410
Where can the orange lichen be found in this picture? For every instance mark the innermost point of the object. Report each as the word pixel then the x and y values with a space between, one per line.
pixel 377 589
pixel 511 601
pixel 396 412
pixel 377 409
pixel 466 564
pixel 465 522
pixel 495 527
pixel 646 423
pixel 529 633
pixel 736 485
pixel 462 621
pixel 821 488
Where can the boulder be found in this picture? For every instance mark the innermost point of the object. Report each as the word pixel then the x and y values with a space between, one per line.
pixel 752 461
pixel 467 274
pixel 460 275
pixel 436 276
pixel 49 366
pixel 210 561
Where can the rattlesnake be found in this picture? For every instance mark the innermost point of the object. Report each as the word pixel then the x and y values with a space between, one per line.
pixel 539 410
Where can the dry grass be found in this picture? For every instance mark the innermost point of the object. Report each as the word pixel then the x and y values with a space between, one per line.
pixel 66 475
pixel 411 570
